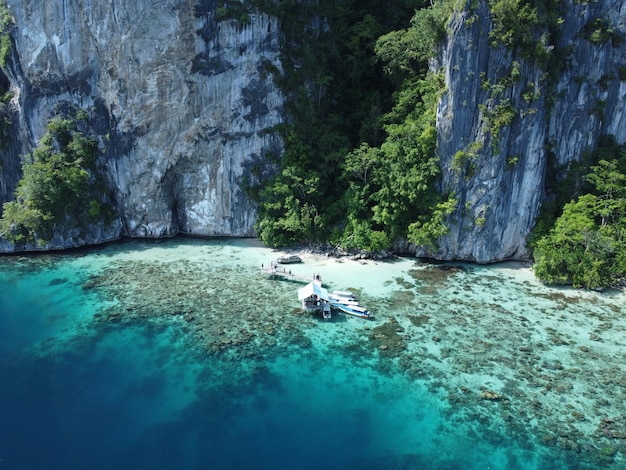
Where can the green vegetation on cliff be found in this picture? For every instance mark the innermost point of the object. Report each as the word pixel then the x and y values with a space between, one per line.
pixel 61 188
pixel 586 245
pixel 359 166
pixel 6 21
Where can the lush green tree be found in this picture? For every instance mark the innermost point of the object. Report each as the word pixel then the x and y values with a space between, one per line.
pixel 6 22
pixel 60 187
pixel 359 164
pixel 433 225
pixel 337 94
pixel 407 51
pixel 289 214
pixel 587 245
pixel 410 164
pixel 565 183
pixel 610 185
pixel 359 234
pixel 514 22
pixel 359 170
pixel 560 257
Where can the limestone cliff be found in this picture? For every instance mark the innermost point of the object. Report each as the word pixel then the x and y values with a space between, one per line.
pixel 182 104
pixel 501 119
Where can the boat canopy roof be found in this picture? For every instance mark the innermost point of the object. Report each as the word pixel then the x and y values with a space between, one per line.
pixel 313 288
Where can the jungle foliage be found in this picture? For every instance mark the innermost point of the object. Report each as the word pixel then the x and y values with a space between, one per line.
pixel 60 188
pixel 586 244
pixel 6 22
pixel 359 164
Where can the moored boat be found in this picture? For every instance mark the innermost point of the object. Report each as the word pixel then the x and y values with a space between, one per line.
pixel 343 301
pixel 343 297
pixel 342 294
pixel 346 302
pixel 315 298
pixel 289 259
pixel 355 310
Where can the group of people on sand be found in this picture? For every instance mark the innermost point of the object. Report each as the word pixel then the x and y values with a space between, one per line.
pixel 274 266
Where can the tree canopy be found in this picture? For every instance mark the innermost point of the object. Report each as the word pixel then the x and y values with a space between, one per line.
pixel 360 162
pixel 587 245
pixel 60 187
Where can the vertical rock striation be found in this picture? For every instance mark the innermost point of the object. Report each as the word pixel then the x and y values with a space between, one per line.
pixel 184 107
pixel 10 167
pixel 591 92
pixel 182 103
pixel 500 119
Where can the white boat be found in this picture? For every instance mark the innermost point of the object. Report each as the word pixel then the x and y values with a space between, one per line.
pixel 343 301
pixel 355 310
pixel 341 293
pixel 289 259
pixel 315 298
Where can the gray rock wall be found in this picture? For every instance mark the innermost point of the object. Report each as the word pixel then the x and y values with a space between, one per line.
pixel 10 163
pixel 183 106
pixel 499 182
pixel 182 103
pixel 591 92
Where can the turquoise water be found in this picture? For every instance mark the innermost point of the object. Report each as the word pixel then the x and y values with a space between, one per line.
pixel 180 354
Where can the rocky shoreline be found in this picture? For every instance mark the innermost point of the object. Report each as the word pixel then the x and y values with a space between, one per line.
pixel 333 251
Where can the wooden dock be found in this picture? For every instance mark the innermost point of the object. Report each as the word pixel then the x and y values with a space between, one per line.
pixel 286 274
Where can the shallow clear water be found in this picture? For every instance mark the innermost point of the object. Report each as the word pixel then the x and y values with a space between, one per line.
pixel 180 354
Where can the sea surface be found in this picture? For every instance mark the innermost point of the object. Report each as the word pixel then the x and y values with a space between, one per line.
pixel 181 354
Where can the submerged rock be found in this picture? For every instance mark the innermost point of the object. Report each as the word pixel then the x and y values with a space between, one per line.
pixel 490 395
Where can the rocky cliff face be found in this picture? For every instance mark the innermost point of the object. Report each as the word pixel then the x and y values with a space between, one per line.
pixel 182 103
pixel 184 106
pixel 10 166
pixel 500 118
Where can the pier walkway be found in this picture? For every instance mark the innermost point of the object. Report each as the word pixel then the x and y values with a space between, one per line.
pixel 285 273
